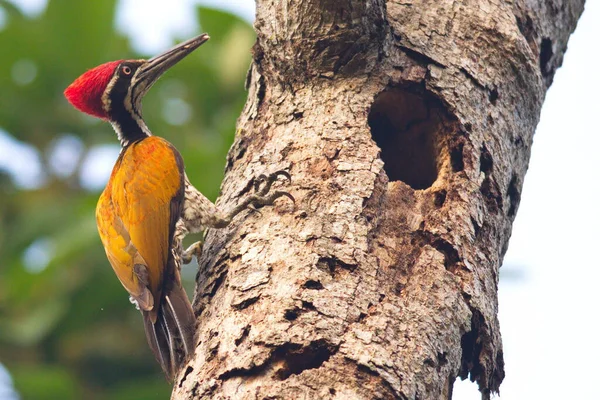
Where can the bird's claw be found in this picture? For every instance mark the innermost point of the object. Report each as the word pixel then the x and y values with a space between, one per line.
pixel 268 181
pixel 194 250
pixel 267 200
pixel 262 185
pixel 261 197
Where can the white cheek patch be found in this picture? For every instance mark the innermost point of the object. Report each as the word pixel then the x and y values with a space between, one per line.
pixel 105 95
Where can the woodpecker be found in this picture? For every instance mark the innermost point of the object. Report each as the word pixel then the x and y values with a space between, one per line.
pixel 149 204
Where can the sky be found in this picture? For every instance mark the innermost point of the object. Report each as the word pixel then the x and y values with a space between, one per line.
pixel 549 299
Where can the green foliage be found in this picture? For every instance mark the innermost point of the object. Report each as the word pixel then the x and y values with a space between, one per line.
pixel 67 330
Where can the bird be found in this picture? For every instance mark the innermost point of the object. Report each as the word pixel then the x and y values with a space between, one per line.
pixel 149 205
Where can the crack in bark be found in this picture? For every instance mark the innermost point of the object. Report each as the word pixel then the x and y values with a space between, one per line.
pixel 216 284
pixel 473 78
pixel 456 157
pixel 419 57
pixel 546 54
pixel 243 336
pixel 491 195
pixel 245 303
pixel 514 195
pixel 286 360
pixel 312 285
pixel 331 263
pixel 486 162
pixel 452 259
pixel 440 361
pixel 295 312
pixel 366 370
pixel 188 371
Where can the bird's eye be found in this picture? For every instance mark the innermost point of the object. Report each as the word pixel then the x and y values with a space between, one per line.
pixel 126 70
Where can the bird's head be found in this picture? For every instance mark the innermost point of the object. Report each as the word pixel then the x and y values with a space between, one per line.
pixel 114 90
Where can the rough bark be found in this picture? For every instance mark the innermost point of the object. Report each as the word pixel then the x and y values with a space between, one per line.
pixel 407 127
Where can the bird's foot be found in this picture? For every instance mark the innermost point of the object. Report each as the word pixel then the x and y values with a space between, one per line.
pixel 262 186
pixel 194 250
pixel 262 196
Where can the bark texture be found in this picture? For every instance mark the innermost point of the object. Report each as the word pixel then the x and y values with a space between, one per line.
pixel 407 127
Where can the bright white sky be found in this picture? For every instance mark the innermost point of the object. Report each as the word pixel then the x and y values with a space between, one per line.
pixel 549 297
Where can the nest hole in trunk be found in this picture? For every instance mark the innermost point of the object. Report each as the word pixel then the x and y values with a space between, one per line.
pixel 406 126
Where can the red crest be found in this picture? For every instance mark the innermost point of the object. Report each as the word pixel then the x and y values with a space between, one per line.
pixel 85 93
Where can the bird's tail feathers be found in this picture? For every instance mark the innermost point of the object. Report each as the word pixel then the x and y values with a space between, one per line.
pixel 171 337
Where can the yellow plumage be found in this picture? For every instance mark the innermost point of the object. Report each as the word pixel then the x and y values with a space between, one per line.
pixel 136 216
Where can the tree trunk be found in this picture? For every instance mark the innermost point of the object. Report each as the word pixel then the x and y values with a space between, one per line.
pixel 407 127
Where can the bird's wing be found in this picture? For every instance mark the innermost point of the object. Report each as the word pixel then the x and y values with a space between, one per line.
pixel 137 217
pixel 121 252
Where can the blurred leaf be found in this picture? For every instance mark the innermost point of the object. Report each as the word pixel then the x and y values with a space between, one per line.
pixel 217 23
pixel 234 57
pixel 45 383
pixel 30 328
pixel 141 390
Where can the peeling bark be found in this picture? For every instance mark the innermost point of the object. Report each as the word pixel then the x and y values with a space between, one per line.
pixel 407 127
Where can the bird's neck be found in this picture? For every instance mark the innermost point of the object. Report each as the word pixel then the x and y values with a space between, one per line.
pixel 130 128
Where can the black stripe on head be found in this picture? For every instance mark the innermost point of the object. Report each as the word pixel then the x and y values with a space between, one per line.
pixel 121 108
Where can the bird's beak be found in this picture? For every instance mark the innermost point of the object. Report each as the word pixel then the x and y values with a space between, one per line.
pixel 156 66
